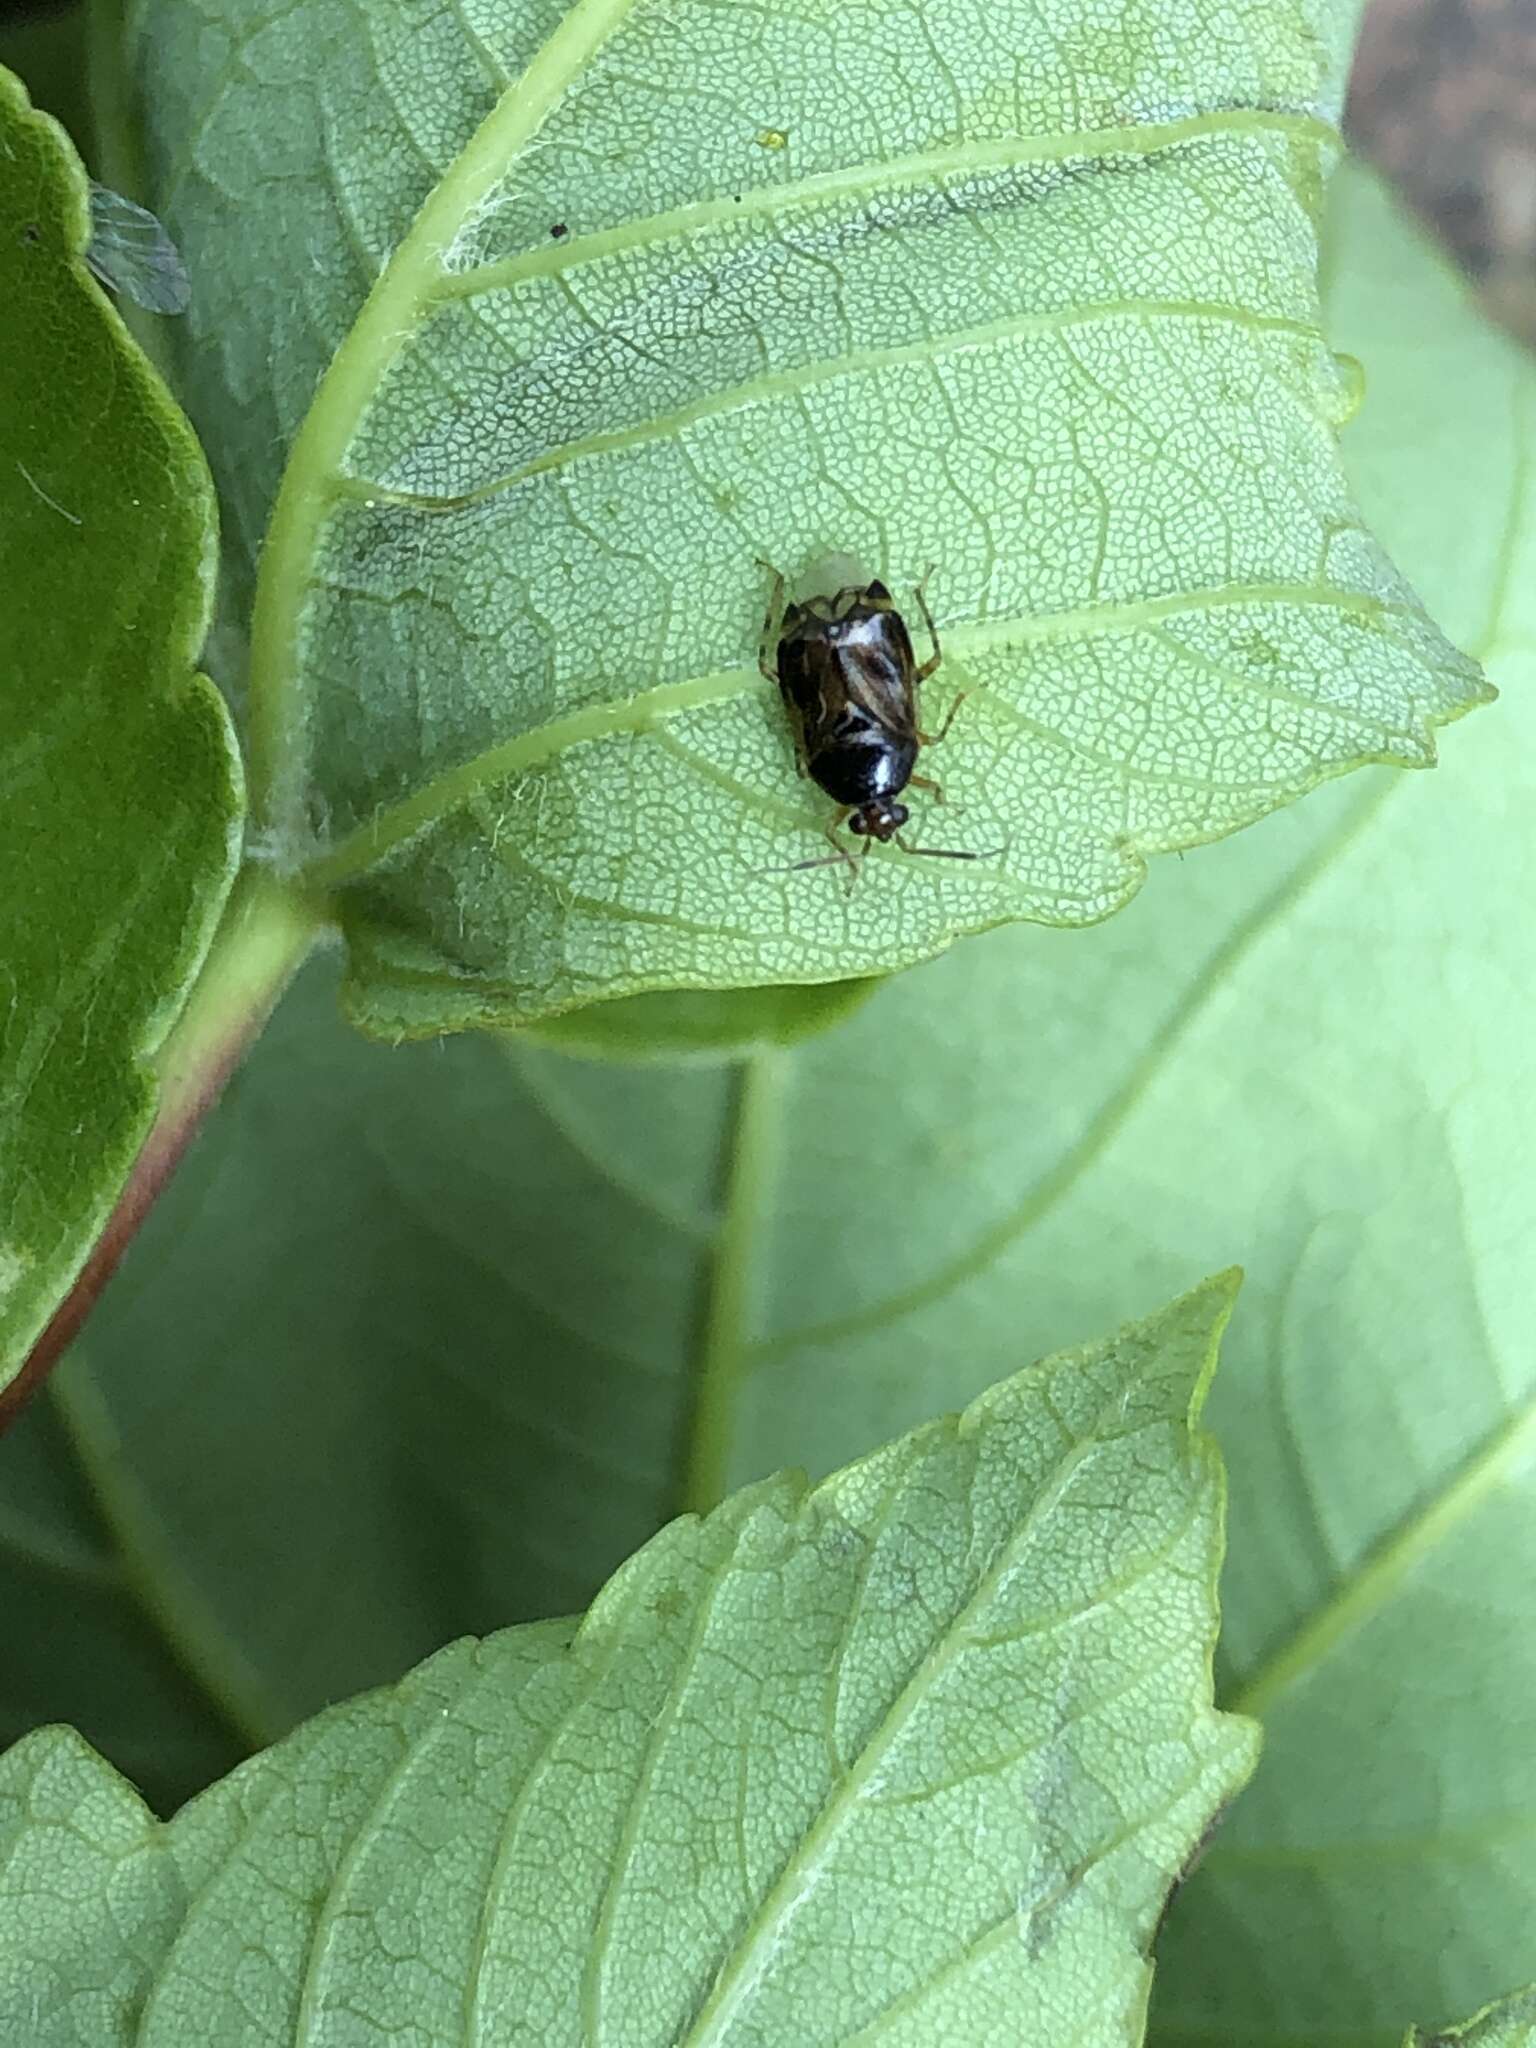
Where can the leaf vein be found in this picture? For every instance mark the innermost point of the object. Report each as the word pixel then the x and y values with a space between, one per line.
pixel 775 384
pixel 867 181
pixel 389 316
pixel 1355 1600
pixel 393 825
pixel 737 1977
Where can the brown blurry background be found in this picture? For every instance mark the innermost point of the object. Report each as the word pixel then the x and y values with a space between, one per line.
pixel 1443 99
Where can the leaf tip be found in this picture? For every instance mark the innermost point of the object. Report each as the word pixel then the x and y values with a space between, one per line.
pixel 1208 1310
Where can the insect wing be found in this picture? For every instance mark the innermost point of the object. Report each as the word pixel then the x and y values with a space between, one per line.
pixel 130 252
pixel 877 663
pixel 809 683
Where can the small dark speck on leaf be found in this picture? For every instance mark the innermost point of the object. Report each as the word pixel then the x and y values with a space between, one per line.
pixel 558 229
pixel 668 1603
pixel 31 232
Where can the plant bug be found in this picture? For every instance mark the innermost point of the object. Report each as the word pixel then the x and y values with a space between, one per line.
pixel 849 676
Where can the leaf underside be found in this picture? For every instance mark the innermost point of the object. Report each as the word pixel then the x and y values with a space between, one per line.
pixel 567 320
pixel 447 1330
pixel 119 786
pixel 914 1756
pixel 1509 2024
pixel 1380 1602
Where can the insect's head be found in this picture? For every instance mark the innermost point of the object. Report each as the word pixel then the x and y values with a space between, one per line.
pixel 882 818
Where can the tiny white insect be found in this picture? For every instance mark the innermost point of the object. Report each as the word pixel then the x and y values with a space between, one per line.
pixel 130 252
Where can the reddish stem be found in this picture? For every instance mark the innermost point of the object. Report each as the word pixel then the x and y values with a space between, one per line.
pixel 158 1158
pixel 263 936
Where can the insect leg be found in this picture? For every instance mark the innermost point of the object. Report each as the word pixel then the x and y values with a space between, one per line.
pixel 856 863
pixel 838 857
pixel 931 739
pixel 840 846
pixel 921 594
pixel 772 624
pixel 797 734
pixel 853 862
pixel 926 782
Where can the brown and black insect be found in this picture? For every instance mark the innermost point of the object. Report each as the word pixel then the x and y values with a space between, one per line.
pixel 849 676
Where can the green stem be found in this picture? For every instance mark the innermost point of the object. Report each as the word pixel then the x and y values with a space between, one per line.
pixel 116 147
pixel 266 930
pixel 712 1418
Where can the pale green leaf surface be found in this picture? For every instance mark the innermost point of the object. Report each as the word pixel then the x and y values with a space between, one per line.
pixel 535 330
pixel 120 791
pixel 1509 2024
pixel 424 1341
pixel 972 1670
pixel 416 1340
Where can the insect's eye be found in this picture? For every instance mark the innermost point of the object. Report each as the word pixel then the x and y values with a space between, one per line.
pixel 899 815
pixel 858 825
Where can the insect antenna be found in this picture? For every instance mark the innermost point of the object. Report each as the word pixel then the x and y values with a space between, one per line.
pixel 949 852
pixel 832 860
pixel 794 867
pixel 821 860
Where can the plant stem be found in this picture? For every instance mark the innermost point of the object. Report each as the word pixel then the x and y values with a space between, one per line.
pixel 266 930
pixel 717 1386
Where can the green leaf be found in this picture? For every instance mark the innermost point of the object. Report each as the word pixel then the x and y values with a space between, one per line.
pixel 120 791
pixel 1381 1600
pixel 423 1341
pixel 1509 2024
pixel 912 1756
pixel 536 335
pixel 672 1023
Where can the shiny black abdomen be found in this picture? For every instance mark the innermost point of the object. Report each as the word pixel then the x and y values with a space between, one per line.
pixel 863 762
pixel 845 669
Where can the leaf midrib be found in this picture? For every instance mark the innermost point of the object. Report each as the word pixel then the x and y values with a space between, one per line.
pixel 739 1977
pixel 183 1619
pixel 389 315
pixel 456 786
pixel 1389 1561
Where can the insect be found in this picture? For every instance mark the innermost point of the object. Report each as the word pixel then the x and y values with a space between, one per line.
pixel 849 676
pixel 130 252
